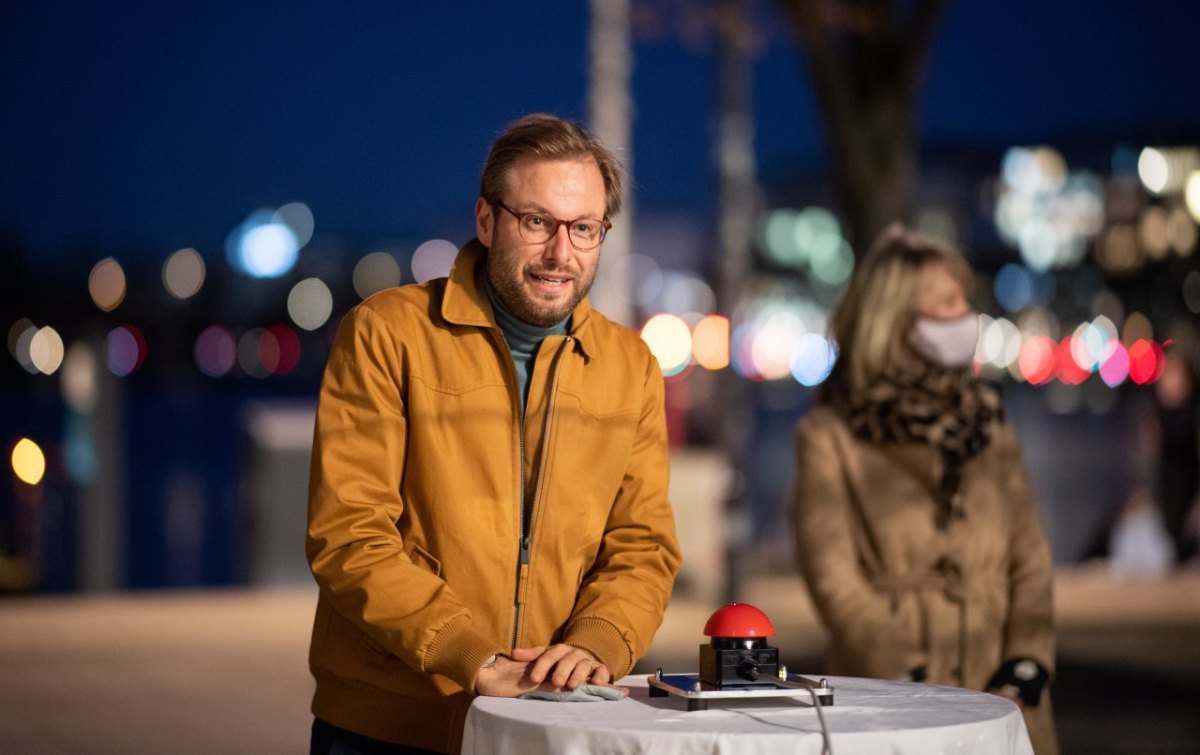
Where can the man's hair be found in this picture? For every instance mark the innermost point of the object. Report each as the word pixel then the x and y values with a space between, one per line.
pixel 880 306
pixel 547 137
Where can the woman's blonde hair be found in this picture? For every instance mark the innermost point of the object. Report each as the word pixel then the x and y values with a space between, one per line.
pixel 873 320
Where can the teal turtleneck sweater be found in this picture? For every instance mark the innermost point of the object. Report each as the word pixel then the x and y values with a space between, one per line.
pixel 523 340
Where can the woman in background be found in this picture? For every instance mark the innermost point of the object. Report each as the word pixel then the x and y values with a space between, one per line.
pixel 915 527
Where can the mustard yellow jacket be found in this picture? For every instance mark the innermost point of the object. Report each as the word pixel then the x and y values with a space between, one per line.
pixel 418 475
pixel 895 591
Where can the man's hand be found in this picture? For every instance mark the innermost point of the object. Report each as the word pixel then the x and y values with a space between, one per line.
pixel 563 666
pixel 555 668
pixel 505 678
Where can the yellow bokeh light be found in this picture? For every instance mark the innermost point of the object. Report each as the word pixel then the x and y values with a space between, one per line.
pixel 1181 232
pixel 28 461
pixel 670 341
pixel 1152 232
pixel 1137 328
pixel 106 284
pixel 710 342
pixel 1191 194
pixel 46 350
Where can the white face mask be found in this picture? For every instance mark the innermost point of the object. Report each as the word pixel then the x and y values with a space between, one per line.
pixel 950 343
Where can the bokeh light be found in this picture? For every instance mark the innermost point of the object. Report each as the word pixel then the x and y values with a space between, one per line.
pixel 374 273
pixel 287 346
pixel 812 358
pixel 1065 366
pixel 777 238
pixel 1036 360
pixel 1152 232
pixel 1047 213
pixel 46 350
pixel 1116 368
pixel 262 247
pixel 1117 250
pixel 106 284
pixel 741 344
pixel 1181 232
pixel 684 292
pixel 1146 361
pixel 771 348
pixel 636 278
pixel 1013 287
pixel 28 461
pixel 999 342
pixel 262 352
pixel 299 218
pixel 710 342
pixel 20 343
pixel 249 353
pixel 1137 328
pixel 1166 170
pixel 1036 170
pixel 831 260
pixel 812 238
pixel 79 387
pixel 433 259
pixel 125 350
pixel 215 351
pixel 183 273
pixel 670 342
pixel 1153 170
pixel 15 331
pixel 1092 343
pixel 310 303
pixel 1191 292
pixel 1191 194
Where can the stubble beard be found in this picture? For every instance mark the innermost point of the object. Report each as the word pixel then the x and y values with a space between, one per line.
pixel 508 279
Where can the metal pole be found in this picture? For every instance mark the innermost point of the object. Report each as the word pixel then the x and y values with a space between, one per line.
pixel 610 116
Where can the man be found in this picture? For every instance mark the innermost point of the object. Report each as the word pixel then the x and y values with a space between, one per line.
pixel 488 506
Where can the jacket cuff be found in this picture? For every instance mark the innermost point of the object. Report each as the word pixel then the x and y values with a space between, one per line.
pixel 603 640
pixel 1026 676
pixel 458 652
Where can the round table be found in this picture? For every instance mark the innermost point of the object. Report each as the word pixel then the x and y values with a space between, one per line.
pixel 868 716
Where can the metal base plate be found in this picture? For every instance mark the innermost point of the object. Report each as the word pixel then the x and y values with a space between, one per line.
pixel 698 693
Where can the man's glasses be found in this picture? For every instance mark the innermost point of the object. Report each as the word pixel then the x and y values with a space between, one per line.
pixel 538 228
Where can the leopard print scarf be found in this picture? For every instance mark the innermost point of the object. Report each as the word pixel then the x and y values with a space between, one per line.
pixel 949 409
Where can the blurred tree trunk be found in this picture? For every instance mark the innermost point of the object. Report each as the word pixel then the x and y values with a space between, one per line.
pixel 865 59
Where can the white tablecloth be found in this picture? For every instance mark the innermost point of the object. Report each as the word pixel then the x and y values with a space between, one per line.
pixel 868 717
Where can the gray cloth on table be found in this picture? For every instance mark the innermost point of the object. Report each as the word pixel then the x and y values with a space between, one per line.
pixel 584 693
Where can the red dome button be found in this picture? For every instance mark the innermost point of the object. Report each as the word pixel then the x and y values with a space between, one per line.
pixel 739 620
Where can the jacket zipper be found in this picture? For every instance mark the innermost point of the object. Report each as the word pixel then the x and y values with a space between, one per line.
pixel 527 512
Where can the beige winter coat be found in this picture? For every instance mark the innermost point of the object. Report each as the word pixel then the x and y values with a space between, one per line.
pixel 894 591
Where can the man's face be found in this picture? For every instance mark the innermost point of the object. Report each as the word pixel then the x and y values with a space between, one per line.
pixel 542 283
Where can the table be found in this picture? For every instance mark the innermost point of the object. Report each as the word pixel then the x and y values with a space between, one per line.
pixel 869 717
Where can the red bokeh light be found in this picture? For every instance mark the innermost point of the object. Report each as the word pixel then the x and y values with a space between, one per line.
pixel 1065 366
pixel 1146 360
pixel 1036 360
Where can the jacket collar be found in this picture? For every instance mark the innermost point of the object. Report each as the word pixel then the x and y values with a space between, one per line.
pixel 466 300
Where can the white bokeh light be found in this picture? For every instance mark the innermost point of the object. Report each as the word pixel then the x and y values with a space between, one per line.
pixel 310 303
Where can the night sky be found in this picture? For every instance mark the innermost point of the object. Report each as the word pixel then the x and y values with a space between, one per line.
pixel 141 127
